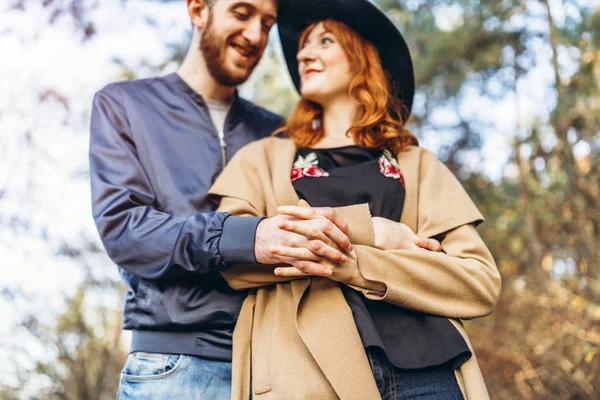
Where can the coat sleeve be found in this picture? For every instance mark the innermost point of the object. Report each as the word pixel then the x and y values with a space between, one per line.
pixel 139 238
pixel 462 281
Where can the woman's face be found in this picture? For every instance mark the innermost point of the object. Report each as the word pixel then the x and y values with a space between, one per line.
pixel 324 69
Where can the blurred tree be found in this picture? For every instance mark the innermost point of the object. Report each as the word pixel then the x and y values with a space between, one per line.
pixel 543 224
pixel 83 350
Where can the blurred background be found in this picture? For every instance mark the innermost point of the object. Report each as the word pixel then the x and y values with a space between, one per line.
pixel 508 96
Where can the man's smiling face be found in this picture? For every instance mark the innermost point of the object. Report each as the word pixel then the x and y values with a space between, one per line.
pixel 235 38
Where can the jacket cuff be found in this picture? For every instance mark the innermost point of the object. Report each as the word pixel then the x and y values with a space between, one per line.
pixel 236 245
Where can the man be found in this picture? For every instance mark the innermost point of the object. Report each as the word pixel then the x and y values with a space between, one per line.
pixel 156 147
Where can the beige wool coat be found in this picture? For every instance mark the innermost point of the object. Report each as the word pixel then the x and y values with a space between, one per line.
pixel 297 337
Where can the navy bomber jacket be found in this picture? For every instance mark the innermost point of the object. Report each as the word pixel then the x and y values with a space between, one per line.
pixel 154 153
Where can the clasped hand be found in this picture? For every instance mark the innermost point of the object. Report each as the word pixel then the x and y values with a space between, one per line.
pixel 314 241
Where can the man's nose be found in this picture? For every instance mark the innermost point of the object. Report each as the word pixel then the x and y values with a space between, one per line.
pixel 254 32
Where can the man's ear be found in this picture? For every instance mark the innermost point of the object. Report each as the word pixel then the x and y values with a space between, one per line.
pixel 198 11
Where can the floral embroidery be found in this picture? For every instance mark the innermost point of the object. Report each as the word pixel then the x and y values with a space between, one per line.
pixel 388 166
pixel 307 166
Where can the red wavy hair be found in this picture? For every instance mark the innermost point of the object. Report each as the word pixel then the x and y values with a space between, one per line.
pixel 378 122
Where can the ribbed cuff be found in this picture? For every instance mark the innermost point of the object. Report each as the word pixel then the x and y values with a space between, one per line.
pixel 237 240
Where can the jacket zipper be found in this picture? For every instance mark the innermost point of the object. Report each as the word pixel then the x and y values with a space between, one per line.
pixel 223 144
pixel 221 135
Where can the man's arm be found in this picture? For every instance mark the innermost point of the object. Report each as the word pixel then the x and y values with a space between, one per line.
pixel 304 226
pixel 139 238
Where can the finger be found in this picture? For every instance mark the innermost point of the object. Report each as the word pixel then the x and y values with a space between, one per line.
pixel 290 271
pixel 428 244
pixel 334 233
pixel 304 211
pixel 306 230
pixel 303 203
pixel 312 268
pixel 313 250
pixel 328 227
pixel 300 212
pixel 298 253
pixel 334 217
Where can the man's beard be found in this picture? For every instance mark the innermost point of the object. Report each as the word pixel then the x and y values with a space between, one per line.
pixel 214 49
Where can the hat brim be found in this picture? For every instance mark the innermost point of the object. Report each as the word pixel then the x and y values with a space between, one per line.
pixel 294 16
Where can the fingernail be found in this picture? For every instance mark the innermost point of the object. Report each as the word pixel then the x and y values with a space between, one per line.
pixel 350 247
pixel 277 271
pixel 344 259
pixel 328 272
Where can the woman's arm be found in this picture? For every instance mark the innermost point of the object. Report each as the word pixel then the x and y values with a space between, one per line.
pixel 462 281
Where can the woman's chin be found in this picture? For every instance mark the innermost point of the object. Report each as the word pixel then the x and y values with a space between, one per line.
pixel 314 96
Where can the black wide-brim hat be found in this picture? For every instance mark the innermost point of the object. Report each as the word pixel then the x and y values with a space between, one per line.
pixel 294 16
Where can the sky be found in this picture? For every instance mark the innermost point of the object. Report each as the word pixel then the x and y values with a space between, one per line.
pixel 44 179
pixel 44 187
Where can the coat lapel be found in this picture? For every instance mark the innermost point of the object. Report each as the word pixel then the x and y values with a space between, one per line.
pixel 409 161
pixel 324 321
pixel 283 159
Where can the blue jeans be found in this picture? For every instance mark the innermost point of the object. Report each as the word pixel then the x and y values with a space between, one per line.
pixel 435 383
pixel 172 376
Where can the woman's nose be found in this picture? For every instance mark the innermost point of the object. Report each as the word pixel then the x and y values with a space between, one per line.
pixel 305 54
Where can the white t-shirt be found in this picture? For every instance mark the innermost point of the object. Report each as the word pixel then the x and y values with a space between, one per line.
pixel 218 111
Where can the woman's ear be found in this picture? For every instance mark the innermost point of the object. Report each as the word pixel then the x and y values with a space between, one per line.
pixel 198 11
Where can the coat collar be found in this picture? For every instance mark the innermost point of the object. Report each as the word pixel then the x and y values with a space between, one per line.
pixel 408 161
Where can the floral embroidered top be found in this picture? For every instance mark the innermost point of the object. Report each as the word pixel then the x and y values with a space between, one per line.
pixel 350 175
pixel 354 175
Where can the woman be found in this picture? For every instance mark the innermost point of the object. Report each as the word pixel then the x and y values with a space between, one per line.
pixel 386 322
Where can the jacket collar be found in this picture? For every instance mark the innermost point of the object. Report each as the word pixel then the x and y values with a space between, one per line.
pixel 237 105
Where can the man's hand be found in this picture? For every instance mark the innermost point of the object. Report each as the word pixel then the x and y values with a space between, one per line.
pixel 304 242
pixel 390 235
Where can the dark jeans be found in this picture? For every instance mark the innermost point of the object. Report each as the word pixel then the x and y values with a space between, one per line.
pixel 435 383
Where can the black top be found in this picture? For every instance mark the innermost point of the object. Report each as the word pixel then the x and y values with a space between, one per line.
pixel 350 175
pixel 154 153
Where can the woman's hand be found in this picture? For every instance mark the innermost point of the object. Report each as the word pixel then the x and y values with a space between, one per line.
pixel 390 235
pixel 347 273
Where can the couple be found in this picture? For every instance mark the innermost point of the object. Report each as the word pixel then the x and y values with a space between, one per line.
pixel 313 254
